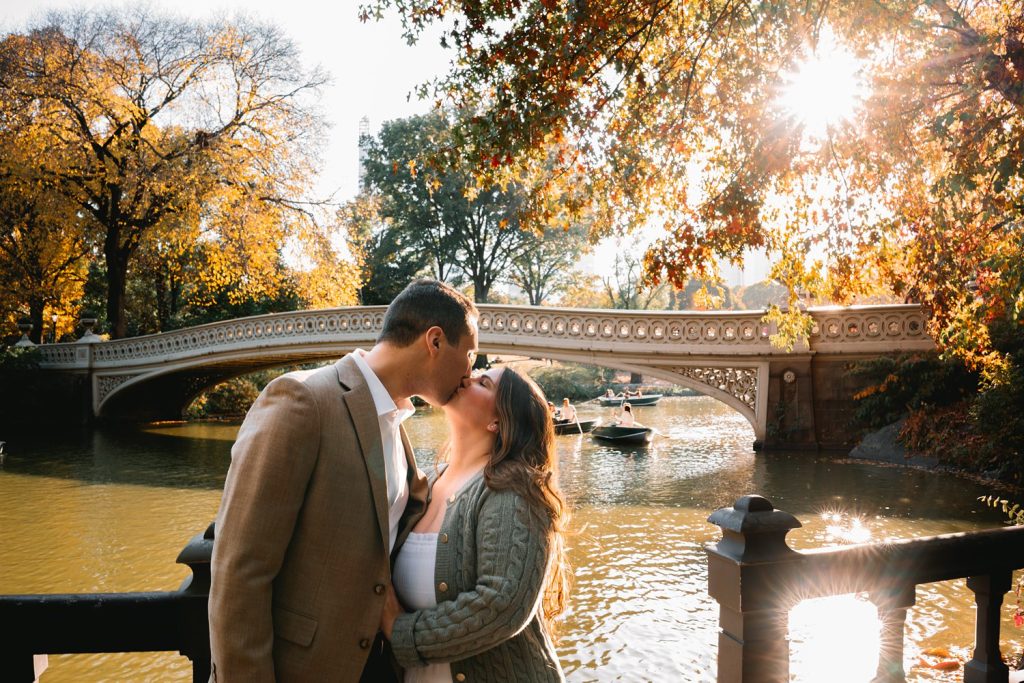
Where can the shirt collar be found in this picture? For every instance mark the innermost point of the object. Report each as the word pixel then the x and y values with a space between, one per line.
pixel 382 400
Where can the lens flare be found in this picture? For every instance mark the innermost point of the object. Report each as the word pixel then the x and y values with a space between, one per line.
pixel 825 88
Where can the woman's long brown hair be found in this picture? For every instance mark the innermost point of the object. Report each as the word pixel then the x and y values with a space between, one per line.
pixel 524 460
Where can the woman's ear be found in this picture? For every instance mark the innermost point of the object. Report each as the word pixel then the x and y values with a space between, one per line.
pixel 493 426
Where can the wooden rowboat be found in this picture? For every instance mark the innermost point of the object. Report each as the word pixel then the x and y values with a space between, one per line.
pixel 624 435
pixel 645 400
pixel 572 427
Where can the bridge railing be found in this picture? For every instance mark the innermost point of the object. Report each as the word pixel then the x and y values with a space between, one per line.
pixel 752 573
pixel 834 330
pixel 112 622
pixel 757 578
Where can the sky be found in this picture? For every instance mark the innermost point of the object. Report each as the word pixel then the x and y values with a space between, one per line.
pixel 374 73
pixel 373 69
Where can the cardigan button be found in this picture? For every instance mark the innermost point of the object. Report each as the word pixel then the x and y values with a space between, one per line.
pixel 364 643
pixel 443 587
pixel 444 538
pixel 460 677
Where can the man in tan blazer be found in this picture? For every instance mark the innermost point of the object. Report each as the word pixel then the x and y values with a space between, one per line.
pixel 321 489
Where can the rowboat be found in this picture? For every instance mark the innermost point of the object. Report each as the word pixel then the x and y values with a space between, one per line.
pixel 616 434
pixel 573 427
pixel 645 400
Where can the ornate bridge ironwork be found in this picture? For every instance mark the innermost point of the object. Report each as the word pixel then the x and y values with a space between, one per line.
pixel 724 354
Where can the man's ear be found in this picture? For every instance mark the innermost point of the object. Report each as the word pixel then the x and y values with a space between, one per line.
pixel 433 338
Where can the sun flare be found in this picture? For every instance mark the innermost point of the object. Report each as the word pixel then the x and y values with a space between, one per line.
pixel 825 88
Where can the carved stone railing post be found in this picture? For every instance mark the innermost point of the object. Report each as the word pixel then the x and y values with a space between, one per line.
pixel 195 625
pixel 892 616
pixel 987 664
pixel 26 329
pixel 745 569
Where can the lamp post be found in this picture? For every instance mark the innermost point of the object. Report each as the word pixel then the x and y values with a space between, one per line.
pixel 53 329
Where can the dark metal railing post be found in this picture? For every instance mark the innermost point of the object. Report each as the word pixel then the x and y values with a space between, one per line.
pixel 194 624
pixel 744 572
pixel 892 606
pixel 987 664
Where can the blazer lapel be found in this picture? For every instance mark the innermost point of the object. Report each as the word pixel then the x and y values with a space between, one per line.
pixel 417 504
pixel 361 407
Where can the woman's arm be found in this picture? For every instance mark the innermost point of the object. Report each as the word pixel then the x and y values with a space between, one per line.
pixel 511 563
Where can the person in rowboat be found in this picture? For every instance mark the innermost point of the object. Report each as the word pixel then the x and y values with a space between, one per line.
pixel 626 418
pixel 568 413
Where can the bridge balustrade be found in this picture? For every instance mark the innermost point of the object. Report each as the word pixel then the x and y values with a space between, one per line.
pixel 112 622
pixel 757 578
pixel 752 573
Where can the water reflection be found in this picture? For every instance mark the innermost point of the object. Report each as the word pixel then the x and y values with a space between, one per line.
pixel 109 511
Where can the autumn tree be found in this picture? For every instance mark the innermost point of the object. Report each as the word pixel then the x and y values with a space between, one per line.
pixel 545 265
pixel 388 258
pixel 465 229
pixel 154 124
pixel 625 286
pixel 43 254
pixel 689 113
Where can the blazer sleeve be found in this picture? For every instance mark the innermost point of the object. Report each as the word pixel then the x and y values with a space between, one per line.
pixel 511 563
pixel 271 464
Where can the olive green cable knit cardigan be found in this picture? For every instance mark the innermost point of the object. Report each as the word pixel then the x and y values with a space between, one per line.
pixel 492 554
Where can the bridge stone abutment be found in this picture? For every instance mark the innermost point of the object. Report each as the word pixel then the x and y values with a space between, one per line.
pixel 801 399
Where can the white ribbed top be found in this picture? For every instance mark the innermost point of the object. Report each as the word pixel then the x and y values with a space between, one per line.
pixel 414 582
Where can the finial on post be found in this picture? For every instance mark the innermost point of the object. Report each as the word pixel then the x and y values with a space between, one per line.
pixel 753 530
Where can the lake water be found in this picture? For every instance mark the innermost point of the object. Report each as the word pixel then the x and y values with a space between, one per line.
pixel 108 510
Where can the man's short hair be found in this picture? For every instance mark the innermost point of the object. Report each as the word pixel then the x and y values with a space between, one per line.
pixel 423 304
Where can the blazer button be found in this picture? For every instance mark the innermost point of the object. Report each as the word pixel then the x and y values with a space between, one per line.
pixel 379 589
pixel 364 643
pixel 443 587
pixel 444 538
pixel 460 677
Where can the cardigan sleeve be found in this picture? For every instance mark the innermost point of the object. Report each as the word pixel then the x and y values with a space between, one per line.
pixel 511 561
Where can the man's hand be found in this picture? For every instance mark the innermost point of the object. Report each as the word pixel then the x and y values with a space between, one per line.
pixel 392 608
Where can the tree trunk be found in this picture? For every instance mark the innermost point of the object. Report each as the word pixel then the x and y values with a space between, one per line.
pixel 117 277
pixel 35 316
pixel 635 378
pixel 163 304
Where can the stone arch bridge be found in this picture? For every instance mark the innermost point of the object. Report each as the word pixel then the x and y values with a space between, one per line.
pixel 797 399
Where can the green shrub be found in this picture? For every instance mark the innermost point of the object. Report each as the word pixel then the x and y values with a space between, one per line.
pixel 901 384
pixel 575 382
pixel 231 398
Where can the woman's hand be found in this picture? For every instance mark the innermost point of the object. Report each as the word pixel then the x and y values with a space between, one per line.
pixel 392 608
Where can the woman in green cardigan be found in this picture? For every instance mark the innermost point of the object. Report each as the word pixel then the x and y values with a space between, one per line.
pixel 483 573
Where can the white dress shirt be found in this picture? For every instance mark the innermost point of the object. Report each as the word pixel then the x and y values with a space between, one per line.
pixel 396 467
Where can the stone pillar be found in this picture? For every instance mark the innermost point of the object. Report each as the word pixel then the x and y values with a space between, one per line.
pixel 892 606
pixel 987 664
pixel 746 571
pixel 791 413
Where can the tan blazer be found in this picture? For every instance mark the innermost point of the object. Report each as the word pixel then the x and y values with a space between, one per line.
pixel 300 555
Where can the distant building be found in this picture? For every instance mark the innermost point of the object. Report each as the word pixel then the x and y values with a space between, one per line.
pixel 364 143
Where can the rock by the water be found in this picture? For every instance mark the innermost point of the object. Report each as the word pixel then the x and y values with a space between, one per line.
pixel 883 445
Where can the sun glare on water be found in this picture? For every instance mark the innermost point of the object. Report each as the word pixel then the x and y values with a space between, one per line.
pixel 825 88
pixel 836 638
